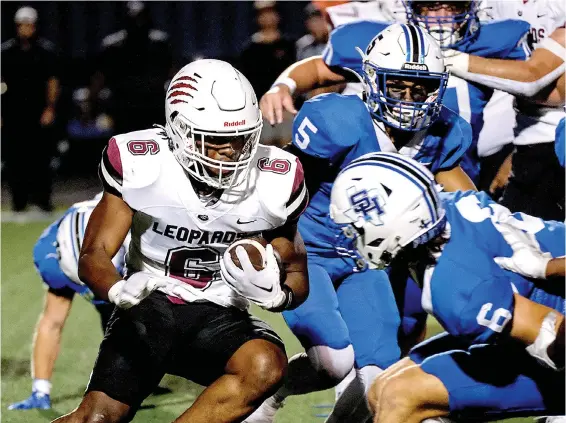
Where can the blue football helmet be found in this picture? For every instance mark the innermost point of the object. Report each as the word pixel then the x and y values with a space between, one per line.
pixel 404 77
pixel 450 23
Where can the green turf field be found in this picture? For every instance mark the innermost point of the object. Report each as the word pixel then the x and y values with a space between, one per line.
pixel 22 294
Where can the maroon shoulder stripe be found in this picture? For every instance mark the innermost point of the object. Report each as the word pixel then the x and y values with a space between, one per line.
pixel 112 161
pixel 298 183
pixel 295 214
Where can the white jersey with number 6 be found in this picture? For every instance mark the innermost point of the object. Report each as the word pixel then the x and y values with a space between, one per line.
pixel 181 236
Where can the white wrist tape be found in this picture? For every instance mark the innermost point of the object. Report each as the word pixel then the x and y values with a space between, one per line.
pixel 456 61
pixel 115 290
pixel 288 82
pixel 546 336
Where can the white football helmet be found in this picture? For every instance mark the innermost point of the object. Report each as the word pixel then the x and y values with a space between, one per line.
pixel 386 201
pixel 404 54
pixel 210 103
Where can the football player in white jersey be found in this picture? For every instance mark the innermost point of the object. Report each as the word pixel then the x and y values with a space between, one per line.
pixel 55 256
pixel 187 191
pixel 538 85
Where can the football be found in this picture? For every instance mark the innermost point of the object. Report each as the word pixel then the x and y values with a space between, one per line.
pixel 283 250
pixel 255 247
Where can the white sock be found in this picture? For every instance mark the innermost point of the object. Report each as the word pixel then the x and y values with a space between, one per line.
pixel 42 386
pixel 368 374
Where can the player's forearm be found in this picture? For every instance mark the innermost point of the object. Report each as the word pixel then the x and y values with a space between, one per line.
pixel 455 179
pixel 45 348
pixel 521 78
pixel 527 319
pixel 541 329
pixel 97 271
pixel 556 267
pixel 517 78
pixel 310 73
pixel 508 69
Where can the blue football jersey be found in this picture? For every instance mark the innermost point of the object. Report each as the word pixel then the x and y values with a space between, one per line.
pixel 56 252
pixel 339 128
pixel 500 39
pixel 559 144
pixel 467 292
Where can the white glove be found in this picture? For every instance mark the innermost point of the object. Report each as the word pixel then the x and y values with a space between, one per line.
pixel 126 294
pixel 455 61
pixel 527 259
pixel 262 287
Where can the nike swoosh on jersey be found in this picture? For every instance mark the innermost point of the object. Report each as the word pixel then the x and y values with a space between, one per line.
pixel 243 223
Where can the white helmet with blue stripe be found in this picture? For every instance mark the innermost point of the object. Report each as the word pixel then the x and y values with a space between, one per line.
pixel 386 201
pixel 404 77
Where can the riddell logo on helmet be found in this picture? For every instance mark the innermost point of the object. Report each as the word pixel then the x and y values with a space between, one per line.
pixel 415 66
pixel 236 123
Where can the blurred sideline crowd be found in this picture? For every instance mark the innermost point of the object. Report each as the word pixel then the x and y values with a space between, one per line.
pixel 66 123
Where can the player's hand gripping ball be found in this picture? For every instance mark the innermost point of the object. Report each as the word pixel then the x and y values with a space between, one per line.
pixel 256 253
pixel 251 269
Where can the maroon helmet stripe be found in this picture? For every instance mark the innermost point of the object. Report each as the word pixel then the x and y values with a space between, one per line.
pixel 185 78
pixel 178 101
pixel 182 85
pixel 178 93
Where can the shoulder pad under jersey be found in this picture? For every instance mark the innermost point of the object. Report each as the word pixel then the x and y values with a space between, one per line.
pixel 280 182
pixel 133 160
